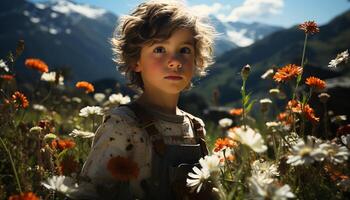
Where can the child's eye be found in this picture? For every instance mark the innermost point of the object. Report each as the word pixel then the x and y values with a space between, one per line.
pixel 159 50
pixel 185 50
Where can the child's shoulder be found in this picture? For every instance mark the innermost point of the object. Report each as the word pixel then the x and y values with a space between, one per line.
pixel 193 117
pixel 123 113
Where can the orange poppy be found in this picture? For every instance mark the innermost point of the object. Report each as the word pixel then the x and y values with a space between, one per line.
pixel 309 27
pixel 287 72
pixel 315 82
pixel 20 100
pixel 224 143
pixel 68 165
pixel 85 85
pixel 7 77
pixel 123 169
pixel 236 111
pixel 24 196
pixel 62 144
pixel 37 64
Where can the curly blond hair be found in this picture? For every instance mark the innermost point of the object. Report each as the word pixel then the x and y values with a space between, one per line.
pixel 153 21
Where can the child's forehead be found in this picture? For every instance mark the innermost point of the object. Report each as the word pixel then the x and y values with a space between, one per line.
pixel 182 36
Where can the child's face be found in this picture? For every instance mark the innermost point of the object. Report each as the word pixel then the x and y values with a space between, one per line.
pixel 168 66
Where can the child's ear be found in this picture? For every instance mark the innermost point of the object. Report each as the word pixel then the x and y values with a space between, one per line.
pixel 137 67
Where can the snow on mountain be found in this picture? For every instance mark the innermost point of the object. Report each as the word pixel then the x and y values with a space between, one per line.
pixel 68 7
pixel 241 34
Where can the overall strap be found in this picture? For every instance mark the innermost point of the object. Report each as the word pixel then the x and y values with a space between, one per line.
pixel 199 134
pixel 147 122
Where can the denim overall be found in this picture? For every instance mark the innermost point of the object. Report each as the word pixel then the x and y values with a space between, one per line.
pixel 171 163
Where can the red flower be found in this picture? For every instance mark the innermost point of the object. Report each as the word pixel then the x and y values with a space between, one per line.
pixel 224 143
pixel 24 196
pixel 343 130
pixel 309 27
pixel 287 72
pixel 316 83
pixel 37 64
pixel 236 111
pixel 19 100
pixel 123 169
pixel 7 77
pixel 62 144
pixel 85 85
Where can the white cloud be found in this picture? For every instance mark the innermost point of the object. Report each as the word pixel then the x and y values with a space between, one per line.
pixel 252 9
pixel 205 10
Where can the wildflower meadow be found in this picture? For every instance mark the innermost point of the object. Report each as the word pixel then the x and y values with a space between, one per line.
pixel 46 135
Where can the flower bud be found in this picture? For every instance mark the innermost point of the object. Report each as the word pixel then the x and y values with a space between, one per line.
pixel 245 72
pixel 324 97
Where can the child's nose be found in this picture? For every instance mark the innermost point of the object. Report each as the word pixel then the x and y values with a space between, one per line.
pixel 174 63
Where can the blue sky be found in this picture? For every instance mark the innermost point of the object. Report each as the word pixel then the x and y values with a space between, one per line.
pixel 284 13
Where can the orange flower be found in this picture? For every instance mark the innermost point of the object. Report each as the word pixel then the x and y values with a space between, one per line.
pixel 7 77
pixel 123 169
pixel 309 27
pixel 37 64
pixel 236 111
pixel 224 143
pixel 20 100
pixel 68 165
pixel 310 114
pixel 315 83
pixel 296 107
pixel 62 144
pixel 85 85
pixel 287 72
pixel 24 196
pixel 285 118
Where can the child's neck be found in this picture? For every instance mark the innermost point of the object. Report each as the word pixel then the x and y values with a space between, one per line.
pixel 164 103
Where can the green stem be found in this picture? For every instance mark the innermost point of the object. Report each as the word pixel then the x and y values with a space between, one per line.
pixel 13 165
pixel 243 104
pixel 302 67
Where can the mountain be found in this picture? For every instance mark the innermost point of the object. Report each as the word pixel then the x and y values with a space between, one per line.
pixel 239 34
pixel 66 35
pixel 278 49
pixel 74 37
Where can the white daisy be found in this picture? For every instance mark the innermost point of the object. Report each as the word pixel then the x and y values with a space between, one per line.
pixel 335 153
pixel 63 184
pixel 119 99
pixel 210 163
pixel 4 66
pixel 342 57
pixel 83 134
pixel 248 137
pixel 225 122
pixel 99 97
pixel 260 191
pixel 346 140
pixel 90 110
pixel 302 153
pixel 268 74
pixel 39 107
pixel 51 77
pixel 76 99
pixel 197 179
pixel 266 170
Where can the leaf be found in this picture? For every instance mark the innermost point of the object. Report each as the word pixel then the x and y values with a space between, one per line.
pixel 249 107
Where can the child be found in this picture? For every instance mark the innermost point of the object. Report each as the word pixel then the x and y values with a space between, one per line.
pixel 151 142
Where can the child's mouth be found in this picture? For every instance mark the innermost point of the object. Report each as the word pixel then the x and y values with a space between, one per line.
pixel 173 77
